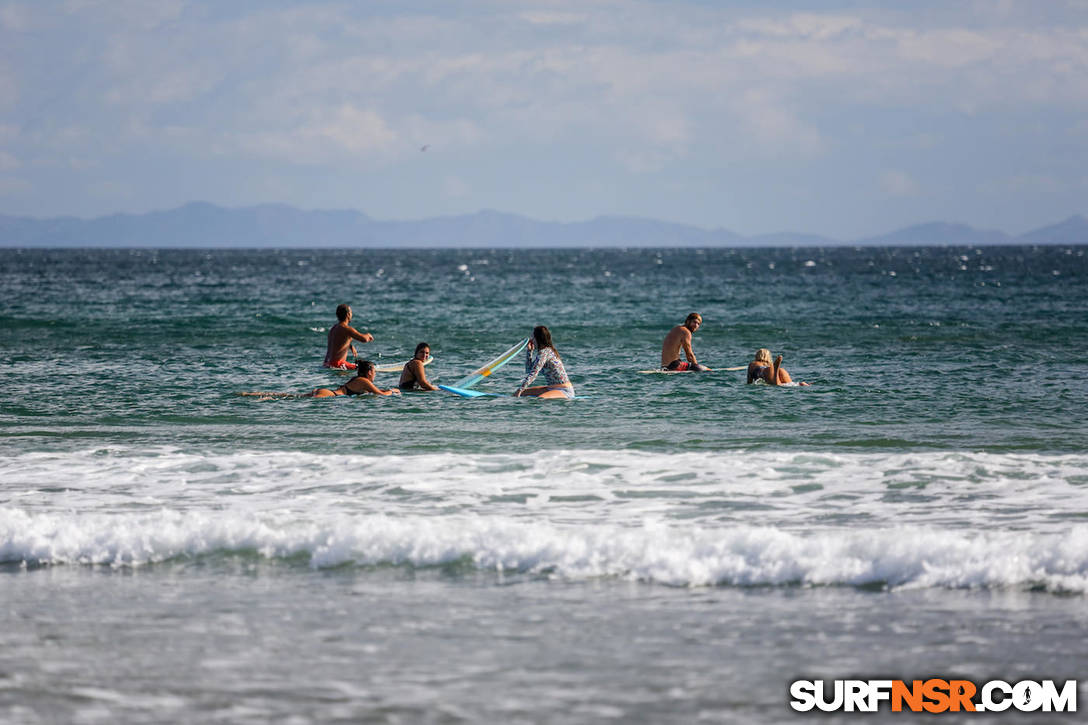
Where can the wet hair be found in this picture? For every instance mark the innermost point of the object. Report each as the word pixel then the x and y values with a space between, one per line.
pixel 419 347
pixel 543 338
pixel 342 312
pixel 693 316
pixel 365 366
pixel 763 355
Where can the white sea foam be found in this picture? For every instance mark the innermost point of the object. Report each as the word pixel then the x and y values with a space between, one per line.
pixel 801 491
pixel 944 519
pixel 672 554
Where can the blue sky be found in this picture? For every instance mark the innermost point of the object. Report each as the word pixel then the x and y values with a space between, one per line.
pixel 836 118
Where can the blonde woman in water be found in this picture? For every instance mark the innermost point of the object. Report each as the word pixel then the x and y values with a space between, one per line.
pixel 761 368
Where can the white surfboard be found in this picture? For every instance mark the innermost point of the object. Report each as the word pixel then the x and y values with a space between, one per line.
pixel 397 367
pixel 663 371
pixel 487 369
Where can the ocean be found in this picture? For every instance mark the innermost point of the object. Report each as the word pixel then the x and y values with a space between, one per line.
pixel 663 549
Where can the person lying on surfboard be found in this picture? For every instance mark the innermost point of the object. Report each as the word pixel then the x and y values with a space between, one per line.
pixel 342 337
pixel 361 384
pixel 761 368
pixel 679 338
pixel 414 376
pixel 541 356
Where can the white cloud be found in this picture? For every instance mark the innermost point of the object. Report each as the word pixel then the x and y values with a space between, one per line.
pixel 1025 184
pixel 8 162
pixel 358 88
pixel 553 18
pixel 454 187
pixel 10 186
pixel 776 129
pixel 346 132
pixel 898 183
pixel 15 18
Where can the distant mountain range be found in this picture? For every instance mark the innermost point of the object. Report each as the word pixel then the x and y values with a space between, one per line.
pixel 201 224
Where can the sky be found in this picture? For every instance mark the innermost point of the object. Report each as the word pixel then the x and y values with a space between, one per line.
pixel 844 119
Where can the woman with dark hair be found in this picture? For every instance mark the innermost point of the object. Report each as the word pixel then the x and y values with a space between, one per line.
pixel 361 384
pixel 414 376
pixel 541 356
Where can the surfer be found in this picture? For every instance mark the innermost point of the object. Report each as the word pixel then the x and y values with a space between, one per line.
pixel 761 368
pixel 342 337
pixel 679 338
pixel 361 384
pixel 545 359
pixel 414 376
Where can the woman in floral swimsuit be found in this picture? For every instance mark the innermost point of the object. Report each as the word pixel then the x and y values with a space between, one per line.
pixel 545 359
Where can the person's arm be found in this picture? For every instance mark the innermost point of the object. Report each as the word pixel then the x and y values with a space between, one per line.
pixel 772 376
pixel 360 336
pixel 532 369
pixel 685 342
pixel 420 374
pixel 369 387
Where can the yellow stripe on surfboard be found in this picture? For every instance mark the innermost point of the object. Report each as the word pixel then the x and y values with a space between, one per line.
pixel 488 368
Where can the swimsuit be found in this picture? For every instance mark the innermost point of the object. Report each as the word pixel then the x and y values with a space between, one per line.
pixel 757 372
pixel 349 391
pixel 566 390
pixel 546 360
pixel 677 365
pixel 340 365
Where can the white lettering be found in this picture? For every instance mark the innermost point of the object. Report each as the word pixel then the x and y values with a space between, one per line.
pixel 879 690
pixel 803 693
pixel 1027 696
pixel 992 705
pixel 821 697
pixel 856 696
pixel 1064 701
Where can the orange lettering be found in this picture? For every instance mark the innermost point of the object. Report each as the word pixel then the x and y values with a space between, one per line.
pixel 912 695
pixel 961 692
pixel 936 691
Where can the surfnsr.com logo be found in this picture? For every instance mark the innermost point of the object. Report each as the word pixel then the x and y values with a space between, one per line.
pixel 933 695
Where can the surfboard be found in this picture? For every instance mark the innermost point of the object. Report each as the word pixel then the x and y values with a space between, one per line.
pixel 466 393
pixel 661 371
pixel 487 369
pixel 397 367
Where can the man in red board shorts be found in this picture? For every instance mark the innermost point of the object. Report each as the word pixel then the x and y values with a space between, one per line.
pixel 342 338
pixel 679 338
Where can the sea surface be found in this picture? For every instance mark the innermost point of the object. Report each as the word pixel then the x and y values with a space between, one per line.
pixel 664 549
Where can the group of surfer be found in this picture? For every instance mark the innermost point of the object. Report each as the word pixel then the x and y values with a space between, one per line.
pixel 540 357
pixel 679 340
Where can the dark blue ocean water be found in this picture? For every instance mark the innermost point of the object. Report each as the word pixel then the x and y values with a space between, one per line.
pixel 668 548
pixel 933 348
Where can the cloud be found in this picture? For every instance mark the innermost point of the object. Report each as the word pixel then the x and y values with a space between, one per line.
pixel 553 18
pixel 10 186
pixel 8 162
pixel 354 133
pixel 898 183
pixel 14 18
pixel 609 90
pixel 1028 184
pixel 454 187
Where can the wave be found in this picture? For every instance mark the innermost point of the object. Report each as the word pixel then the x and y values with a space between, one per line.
pixel 669 554
pixel 121 464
